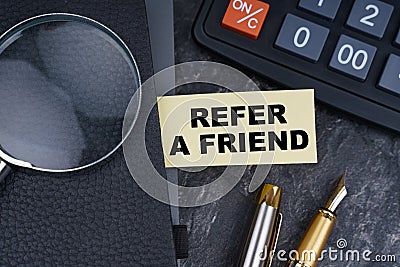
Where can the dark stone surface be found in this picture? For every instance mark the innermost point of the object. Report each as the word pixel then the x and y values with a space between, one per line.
pixel 368 218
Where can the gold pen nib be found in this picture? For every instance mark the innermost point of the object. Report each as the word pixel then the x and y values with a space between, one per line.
pixel 338 193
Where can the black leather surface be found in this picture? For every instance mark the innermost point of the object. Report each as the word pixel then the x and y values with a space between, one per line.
pixel 95 217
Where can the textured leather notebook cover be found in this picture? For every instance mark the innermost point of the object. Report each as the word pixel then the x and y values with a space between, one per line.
pixel 95 217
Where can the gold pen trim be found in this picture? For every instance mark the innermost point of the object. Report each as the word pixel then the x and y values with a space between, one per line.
pixel 271 194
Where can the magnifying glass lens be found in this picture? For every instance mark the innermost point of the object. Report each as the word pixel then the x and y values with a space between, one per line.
pixel 65 84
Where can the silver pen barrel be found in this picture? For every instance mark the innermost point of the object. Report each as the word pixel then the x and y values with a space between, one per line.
pixel 261 241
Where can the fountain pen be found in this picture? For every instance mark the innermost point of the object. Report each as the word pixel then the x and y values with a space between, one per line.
pixel 264 231
pixel 317 234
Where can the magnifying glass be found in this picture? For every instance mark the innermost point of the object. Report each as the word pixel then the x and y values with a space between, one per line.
pixel 65 84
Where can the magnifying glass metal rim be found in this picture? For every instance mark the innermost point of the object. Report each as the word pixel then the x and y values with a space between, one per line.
pixel 68 17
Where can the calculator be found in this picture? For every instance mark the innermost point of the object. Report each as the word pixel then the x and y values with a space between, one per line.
pixel 347 50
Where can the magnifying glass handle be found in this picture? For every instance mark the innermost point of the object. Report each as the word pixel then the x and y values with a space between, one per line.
pixel 4 171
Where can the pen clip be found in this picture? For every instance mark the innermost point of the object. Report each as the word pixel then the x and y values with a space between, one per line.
pixel 277 230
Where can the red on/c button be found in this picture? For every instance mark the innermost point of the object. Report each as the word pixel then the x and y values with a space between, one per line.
pixel 246 17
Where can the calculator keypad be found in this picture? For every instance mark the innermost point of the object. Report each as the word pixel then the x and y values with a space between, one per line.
pixel 370 16
pixel 390 79
pixel 348 50
pixel 353 57
pixel 302 37
pixel 325 8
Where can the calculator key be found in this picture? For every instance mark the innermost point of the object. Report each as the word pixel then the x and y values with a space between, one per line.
pixel 325 8
pixel 246 17
pixel 370 16
pixel 397 41
pixel 390 79
pixel 302 37
pixel 353 57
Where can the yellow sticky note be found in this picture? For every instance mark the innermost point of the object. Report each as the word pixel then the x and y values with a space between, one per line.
pixel 246 128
